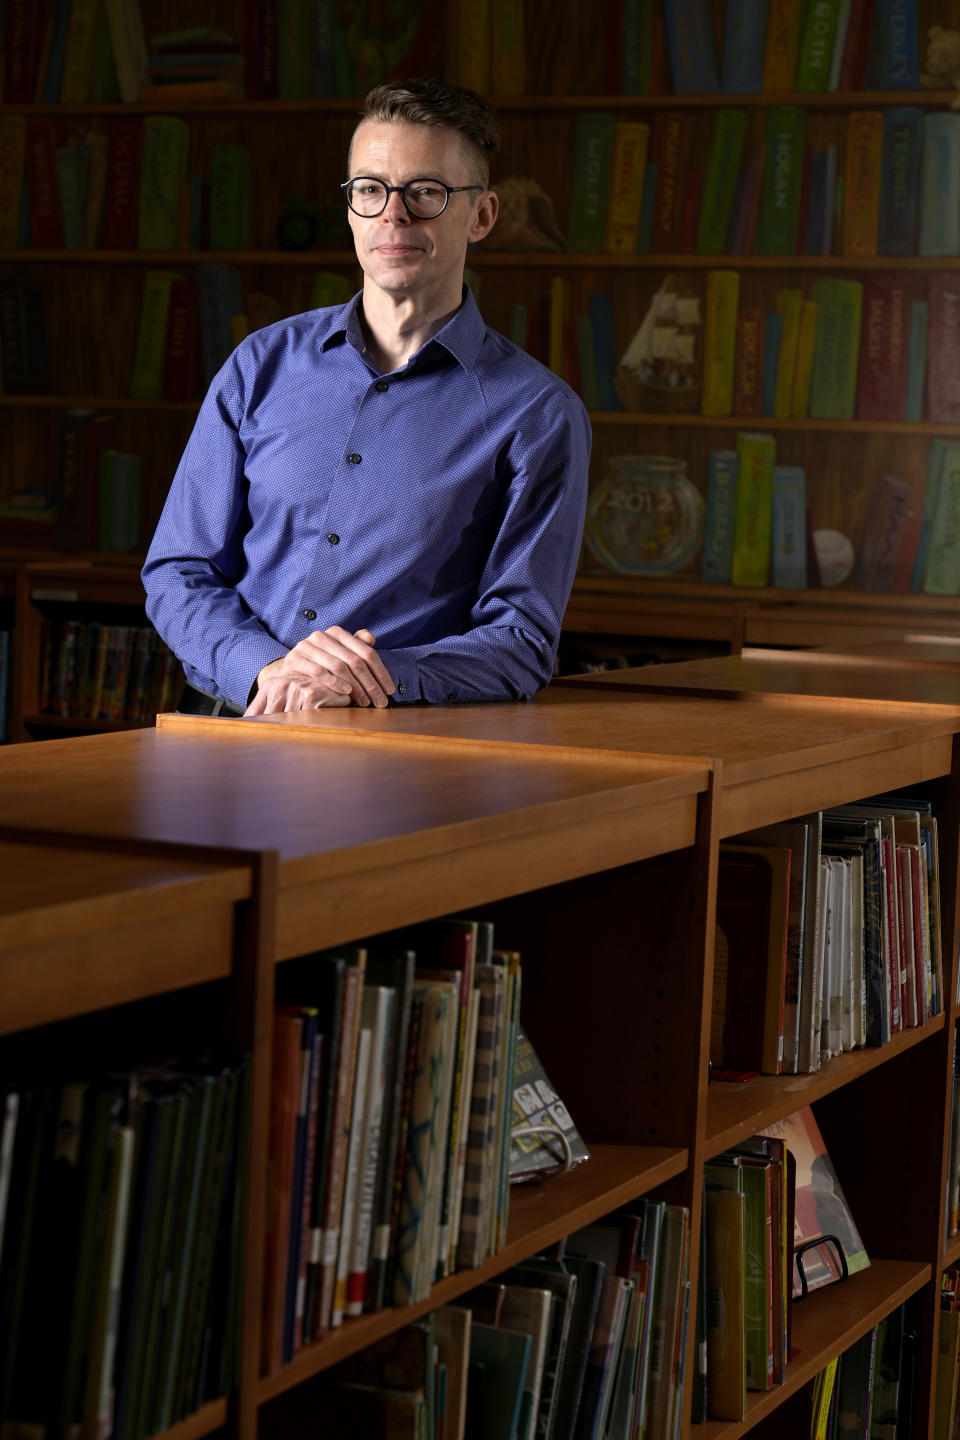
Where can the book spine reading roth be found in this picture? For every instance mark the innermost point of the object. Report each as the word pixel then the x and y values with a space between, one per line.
pixel 816 45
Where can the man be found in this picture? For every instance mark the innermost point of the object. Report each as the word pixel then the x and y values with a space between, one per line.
pixel 380 501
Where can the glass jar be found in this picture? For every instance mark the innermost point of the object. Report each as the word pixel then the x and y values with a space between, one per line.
pixel 645 517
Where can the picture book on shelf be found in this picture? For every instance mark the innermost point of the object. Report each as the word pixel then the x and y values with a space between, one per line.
pixel 536 1103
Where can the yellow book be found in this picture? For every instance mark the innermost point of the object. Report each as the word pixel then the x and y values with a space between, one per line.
pixel 782 44
pixel 757 453
pixel 509 58
pixel 473 45
pixel 803 370
pixel 630 142
pixel 726 1353
pixel 789 304
pixel 861 191
pixel 822 1395
pixel 720 341
pixel 946 1383
pixel 559 310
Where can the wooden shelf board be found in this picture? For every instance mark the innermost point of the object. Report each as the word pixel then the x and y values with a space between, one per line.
pixel 620 418
pixel 210 1417
pixel 824 1325
pixel 539 1215
pixel 737 1110
pixel 640 591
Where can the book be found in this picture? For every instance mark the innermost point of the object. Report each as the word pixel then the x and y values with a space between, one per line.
pixel 166 140
pixel 229 197
pixel 13 149
pixel 901 168
pixel 943 348
pixel 472 42
pixel 884 356
pixel 634 41
pixel 816 45
pixel 789 307
pixel 593 157
pixel 748 369
pixel 803 370
pixel 79 52
pixel 502 1358
pixel 940 184
pixel 914 403
pixel 754 516
pixel 746 209
pixel 148 365
pixel 719 345
pixel 744 46
pixel 129 47
pixel 219 299
pixel 782 44
pixel 376 1015
pixel 353 1159
pixel 717 559
pixel 862 181
pixel 720 180
pixel 122 202
pixel 892 57
pixel 837 349
pixel 46 223
pixel 789 555
pixel 670 145
pixel 882 535
pixel 295 35
pixel 942 575
pixel 778 221
pixel 536 1103
pixel 690 45
pixel 772 332
pixel 724 1279
pixel 622 231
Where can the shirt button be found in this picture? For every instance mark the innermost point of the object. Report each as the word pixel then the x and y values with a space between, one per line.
pixel 355 459
pixel 309 614
pixel 451 694
pixel 401 688
pixel 334 539
pixel 382 386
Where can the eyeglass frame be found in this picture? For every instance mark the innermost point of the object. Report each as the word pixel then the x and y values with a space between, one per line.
pixel 401 191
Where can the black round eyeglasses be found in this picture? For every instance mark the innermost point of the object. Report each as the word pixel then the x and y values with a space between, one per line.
pixel 423 199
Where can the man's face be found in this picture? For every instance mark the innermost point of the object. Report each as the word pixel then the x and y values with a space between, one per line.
pixel 399 254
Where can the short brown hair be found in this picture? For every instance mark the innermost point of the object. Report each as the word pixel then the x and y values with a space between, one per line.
pixel 448 107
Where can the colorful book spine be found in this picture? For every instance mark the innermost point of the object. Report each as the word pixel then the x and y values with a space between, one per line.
pixel 229 197
pixel 883 529
pixel 898 229
pixel 930 497
pixel 772 330
pixel 744 42
pixel 817 39
pixel 836 352
pixel 893 59
pixel 943 349
pixel 789 307
pixel 782 45
pixel 756 454
pixel 882 371
pixel 166 140
pixel 916 362
pixel 720 341
pixel 717 560
pixel 592 161
pixel 80 54
pixel 693 63
pixel 631 140
pixel 748 378
pixel 720 181
pixel 854 67
pixel 940 184
pixel 180 366
pixel 861 194
pixel 789 561
pixel 13 149
pixel 778 222
pixel 943 557
pixel 670 152
pixel 803 372
pixel 636 47
pixel 147 382
pixel 122 205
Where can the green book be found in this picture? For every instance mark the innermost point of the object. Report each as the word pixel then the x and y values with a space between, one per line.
pixel 815 52
pixel 753 529
pixel 778 221
pixel 836 349
pixel 943 555
pixel 148 361
pixel 592 161
pixel 229 197
pixel 720 181
pixel 294 49
pixel 166 141
pixel 756 1278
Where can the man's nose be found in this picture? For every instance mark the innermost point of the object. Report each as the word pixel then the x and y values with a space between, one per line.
pixel 395 211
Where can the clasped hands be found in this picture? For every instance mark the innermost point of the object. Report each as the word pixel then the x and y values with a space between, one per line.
pixel 330 667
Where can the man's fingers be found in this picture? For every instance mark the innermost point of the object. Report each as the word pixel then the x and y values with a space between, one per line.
pixel 366 637
pixel 366 664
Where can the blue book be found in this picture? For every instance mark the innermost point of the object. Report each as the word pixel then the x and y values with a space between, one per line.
pixel 744 39
pixel 636 46
pixel 816 204
pixel 53 75
pixel 940 185
pixel 717 559
pixel 600 307
pixel 693 63
pixel 651 179
pixel 771 355
pixel 789 527
pixel 916 361
pixel 893 54
pixel 898 226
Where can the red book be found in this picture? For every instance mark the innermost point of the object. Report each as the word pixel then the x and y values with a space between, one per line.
pixel 46 225
pixel 22 46
pixel 691 208
pixel 909 540
pixel 884 348
pixel 122 204
pixel 670 151
pixel 943 349
pixel 854 65
pixel 180 366
pixel 748 373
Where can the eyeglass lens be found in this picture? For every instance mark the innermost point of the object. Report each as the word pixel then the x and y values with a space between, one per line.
pixel 424 198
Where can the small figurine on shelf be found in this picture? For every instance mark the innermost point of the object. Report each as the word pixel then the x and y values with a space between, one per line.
pixel 942 69
pixel 660 369
pixel 526 220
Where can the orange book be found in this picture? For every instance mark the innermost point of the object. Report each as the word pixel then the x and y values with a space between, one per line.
pixel 782 44
pixel 626 186
pixel 861 196
pixel 748 371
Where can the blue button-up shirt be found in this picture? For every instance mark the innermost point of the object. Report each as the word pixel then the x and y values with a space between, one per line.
pixel 440 506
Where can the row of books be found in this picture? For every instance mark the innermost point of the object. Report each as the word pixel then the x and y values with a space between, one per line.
pixel 828 936
pixel 713 184
pixel 791 45
pixel 390 1135
pixel 94 671
pixel 869 1389
pixel 756 1216
pixel 948 1355
pixel 121 1248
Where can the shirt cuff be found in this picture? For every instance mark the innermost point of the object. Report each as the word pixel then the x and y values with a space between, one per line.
pixel 246 659
pixel 408 686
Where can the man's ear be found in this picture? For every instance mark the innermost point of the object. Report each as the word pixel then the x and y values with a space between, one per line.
pixel 485 216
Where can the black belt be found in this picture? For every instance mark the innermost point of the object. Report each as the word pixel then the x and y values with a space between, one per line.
pixel 197 702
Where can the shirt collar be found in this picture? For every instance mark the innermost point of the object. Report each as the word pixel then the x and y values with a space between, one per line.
pixel 462 335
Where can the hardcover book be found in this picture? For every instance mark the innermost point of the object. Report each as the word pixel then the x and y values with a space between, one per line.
pixel 837 349
pixel 592 160
pixel 943 554
pixel 899 219
pixel 883 531
pixel 717 560
pixel 626 187
pixel 782 43
pixel 917 362
pixel 751 547
pixel 892 60
pixel 670 152
pixel 789 527
pixel 166 140
pixel 940 184
pixel 817 38
pixel 720 338
pixel 884 357
pixel 778 224
pixel 943 348
pixel 803 370
pixel 744 43
pixel 789 308
pixel 690 44
pixel 748 382
pixel 720 181
pixel 536 1104
pixel 861 194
